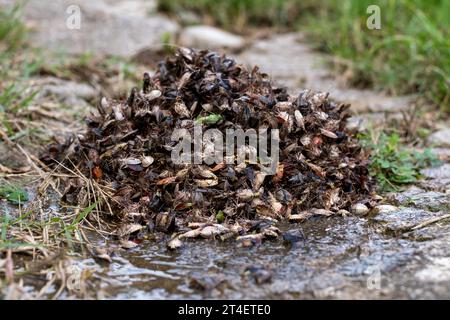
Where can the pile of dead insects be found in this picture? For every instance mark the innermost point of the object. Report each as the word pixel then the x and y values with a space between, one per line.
pixel 127 147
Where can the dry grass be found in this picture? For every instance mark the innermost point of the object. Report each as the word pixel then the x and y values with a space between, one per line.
pixel 36 240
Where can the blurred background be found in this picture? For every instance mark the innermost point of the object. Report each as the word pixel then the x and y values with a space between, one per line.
pixel 409 53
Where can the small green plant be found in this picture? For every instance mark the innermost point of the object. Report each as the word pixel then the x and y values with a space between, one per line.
pixel 84 59
pixel 409 54
pixel 16 67
pixel 13 194
pixel 6 223
pixel 392 164
pixel 12 30
pixel 234 14
pixel 166 40
pixel 126 69
pixel 13 98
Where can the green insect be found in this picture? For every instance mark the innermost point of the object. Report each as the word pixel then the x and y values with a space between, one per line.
pixel 211 119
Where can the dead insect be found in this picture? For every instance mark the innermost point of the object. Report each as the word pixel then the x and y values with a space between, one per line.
pixel 329 134
pixel 128 144
pixel 181 109
pixel 147 83
pixel 165 222
pixel 174 244
pixel 130 101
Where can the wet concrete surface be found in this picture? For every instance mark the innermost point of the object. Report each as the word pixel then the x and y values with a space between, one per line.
pixel 379 256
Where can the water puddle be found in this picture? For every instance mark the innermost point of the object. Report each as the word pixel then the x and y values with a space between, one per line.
pixel 340 258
